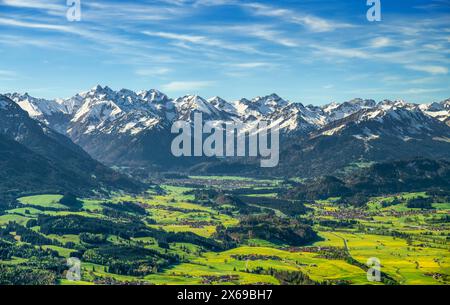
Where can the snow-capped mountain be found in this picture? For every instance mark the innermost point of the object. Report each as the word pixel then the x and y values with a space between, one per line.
pixel 223 106
pixel 101 106
pixel 34 155
pixel 124 127
pixel 336 111
pixel 53 113
pixel 187 105
pixel 36 107
pixel 371 135
pixel 296 118
pixel 259 107
pixel 440 111
pixel 400 119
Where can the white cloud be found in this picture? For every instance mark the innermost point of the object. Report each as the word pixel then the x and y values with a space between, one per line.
pixel 342 52
pixel 214 2
pixel 181 37
pixel 152 71
pixel 429 69
pixel 186 85
pixel 20 41
pixel 49 6
pixel 421 90
pixel 203 41
pixel 33 25
pixel 432 46
pixel 314 23
pixel 424 80
pixel 117 44
pixel 130 13
pixel 251 65
pixel 263 32
pixel 380 42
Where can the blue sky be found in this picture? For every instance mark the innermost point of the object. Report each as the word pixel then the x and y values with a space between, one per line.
pixel 310 51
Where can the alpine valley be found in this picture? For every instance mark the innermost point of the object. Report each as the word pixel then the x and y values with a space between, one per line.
pixel 93 177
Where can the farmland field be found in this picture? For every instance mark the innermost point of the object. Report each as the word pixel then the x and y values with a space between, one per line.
pixel 178 234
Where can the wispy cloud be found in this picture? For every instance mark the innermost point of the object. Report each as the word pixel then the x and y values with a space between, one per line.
pixel 313 23
pixel 21 40
pixel 152 71
pixel 46 5
pixel 252 65
pixel 275 37
pixel 203 41
pixel 263 32
pixel 181 37
pixel 185 86
pixel 429 69
pixel 341 52
pixel 309 21
pixel 421 90
pixel 35 25
pixel 116 43
pixel 130 12
pixel 380 42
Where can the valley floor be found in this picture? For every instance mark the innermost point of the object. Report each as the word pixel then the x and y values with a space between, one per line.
pixel 412 245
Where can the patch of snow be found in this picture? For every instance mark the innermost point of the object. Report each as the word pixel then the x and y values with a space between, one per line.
pixel 333 131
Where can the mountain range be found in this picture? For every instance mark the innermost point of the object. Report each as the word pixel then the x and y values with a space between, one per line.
pixel 132 129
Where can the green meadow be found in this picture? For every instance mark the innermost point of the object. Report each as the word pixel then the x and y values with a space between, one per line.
pixel 412 245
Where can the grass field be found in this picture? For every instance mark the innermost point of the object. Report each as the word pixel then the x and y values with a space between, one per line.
pixel 51 201
pixel 223 263
pixel 420 256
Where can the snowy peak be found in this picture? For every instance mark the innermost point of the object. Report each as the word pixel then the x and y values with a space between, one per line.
pixel 100 91
pixel 223 105
pixel 102 104
pixel 270 103
pixel 71 104
pixel 187 105
pixel 272 100
pixel 97 111
pixel 440 111
pixel 218 102
pixel 362 103
pixel 313 115
pixel 336 111
pixel 153 96
pixel 99 104
pixel 35 107
pixel 260 107
pixel 294 117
